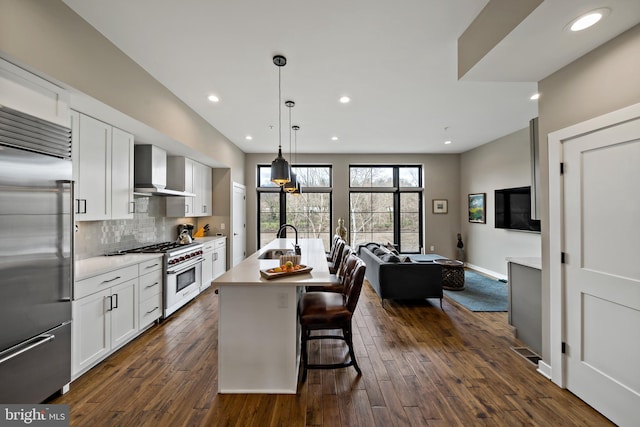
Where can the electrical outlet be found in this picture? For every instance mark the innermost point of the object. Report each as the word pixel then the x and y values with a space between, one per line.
pixel 282 300
pixel 432 248
pixel 222 226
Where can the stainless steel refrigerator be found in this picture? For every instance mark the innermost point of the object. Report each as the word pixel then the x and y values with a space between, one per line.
pixel 36 257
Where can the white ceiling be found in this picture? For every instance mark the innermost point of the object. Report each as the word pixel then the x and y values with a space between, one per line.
pixel 396 60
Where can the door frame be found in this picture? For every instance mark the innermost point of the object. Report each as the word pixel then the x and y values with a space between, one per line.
pixel 557 303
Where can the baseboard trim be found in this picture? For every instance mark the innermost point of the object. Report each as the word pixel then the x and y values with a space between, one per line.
pixel 544 369
pixel 486 271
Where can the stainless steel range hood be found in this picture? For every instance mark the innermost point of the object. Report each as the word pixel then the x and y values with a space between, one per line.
pixel 150 172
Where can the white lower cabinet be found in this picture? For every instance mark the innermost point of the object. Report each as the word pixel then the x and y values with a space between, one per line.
pixel 103 322
pixel 214 253
pixel 112 308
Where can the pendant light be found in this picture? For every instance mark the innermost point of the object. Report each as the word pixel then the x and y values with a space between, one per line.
pixel 280 167
pixel 290 186
pixel 298 189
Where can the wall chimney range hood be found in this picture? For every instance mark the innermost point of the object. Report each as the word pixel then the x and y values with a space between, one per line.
pixel 150 172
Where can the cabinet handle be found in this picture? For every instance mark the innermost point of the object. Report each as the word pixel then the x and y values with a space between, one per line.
pixel 116 306
pixel 204 208
pixel 151 286
pixel 79 203
pixel 215 256
pixel 151 266
pixel 133 207
pixel 111 280
pixel 152 310
pixel 186 209
pixel 110 303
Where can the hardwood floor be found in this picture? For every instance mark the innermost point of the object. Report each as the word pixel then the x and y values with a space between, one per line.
pixel 421 366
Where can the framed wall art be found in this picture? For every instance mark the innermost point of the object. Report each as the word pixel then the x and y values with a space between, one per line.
pixel 477 208
pixel 440 206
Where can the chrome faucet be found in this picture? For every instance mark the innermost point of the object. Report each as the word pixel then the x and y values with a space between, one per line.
pixel 296 247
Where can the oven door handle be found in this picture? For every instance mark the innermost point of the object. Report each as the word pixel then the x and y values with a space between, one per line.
pixel 182 267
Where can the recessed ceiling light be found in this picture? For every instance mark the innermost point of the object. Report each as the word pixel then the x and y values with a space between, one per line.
pixel 447 142
pixel 248 137
pixel 334 138
pixel 535 96
pixel 588 19
pixel 213 98
pixel 345 99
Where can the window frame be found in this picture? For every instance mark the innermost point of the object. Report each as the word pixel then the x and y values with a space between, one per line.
pixel 396 190
pixel 283 195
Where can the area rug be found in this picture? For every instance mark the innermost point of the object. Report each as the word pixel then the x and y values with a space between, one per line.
pixel 481 293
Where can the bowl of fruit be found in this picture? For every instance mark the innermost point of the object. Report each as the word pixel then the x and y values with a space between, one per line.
pixel 285 268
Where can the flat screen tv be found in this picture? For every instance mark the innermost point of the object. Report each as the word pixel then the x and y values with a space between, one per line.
pixel 513 209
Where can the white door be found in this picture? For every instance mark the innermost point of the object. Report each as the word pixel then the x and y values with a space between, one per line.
pixel 602 269
pixel 239 226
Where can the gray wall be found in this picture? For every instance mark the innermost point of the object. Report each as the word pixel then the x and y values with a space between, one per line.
pixel 503 163
pixel 604 80
pixel 441 181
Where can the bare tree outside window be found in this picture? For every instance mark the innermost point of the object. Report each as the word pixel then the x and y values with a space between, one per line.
pixel 391 211
pixel 309 212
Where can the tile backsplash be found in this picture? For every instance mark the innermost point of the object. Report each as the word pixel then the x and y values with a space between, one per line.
pixel 149 225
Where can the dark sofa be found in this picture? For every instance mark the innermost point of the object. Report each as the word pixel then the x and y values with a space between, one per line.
pixel 398 277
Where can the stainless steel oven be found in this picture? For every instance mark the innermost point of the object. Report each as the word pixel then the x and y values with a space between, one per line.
pixel 182 284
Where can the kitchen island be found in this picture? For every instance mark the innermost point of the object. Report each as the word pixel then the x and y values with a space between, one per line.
pixel 258 331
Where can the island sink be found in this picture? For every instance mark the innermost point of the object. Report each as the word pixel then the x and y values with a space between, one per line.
pixel 275 253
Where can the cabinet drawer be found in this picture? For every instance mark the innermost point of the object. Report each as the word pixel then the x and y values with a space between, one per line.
pixel 91 285
pixel 150 310
pixel 208 247
pixel 149 266
pixel 150 284
pixel 220 243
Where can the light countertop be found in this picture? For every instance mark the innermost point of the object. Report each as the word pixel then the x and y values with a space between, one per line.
pixel 206 239
pixel 533 262
pixel 248 271
pixel 102 264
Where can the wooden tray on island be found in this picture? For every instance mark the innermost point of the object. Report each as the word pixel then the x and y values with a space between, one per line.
pixel 270 274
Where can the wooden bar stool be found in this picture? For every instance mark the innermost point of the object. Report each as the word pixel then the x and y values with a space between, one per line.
pixel 318 311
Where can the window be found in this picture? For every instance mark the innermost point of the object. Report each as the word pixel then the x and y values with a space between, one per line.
pixel 309 212
pixel 386 206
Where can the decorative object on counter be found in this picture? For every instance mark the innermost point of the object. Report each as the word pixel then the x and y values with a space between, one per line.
pixel 440 206
pixel 292 185
pixel 341 230
pixel 460 250
pixel 477 208
pixel 280 166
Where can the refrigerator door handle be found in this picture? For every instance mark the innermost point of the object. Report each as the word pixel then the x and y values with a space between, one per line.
pixel 27 346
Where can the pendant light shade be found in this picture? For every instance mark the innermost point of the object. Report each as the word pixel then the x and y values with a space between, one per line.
pixel 298 188
pixel 290 186
pixel 280 173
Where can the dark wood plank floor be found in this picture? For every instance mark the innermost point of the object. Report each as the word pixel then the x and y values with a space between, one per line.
pixel 421 367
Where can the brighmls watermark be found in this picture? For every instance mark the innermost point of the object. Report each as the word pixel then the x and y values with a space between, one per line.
pixel 34 415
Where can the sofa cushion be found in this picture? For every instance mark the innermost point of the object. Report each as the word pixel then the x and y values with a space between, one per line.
pixel 390 258
pixel 380 251
pixel 391 248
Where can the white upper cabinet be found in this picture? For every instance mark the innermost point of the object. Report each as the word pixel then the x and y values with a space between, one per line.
pixel 184 174
pixel 26 92
pixel 122 204
pixel 102 168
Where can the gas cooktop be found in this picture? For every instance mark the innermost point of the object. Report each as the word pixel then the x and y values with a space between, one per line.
pixel 160 247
